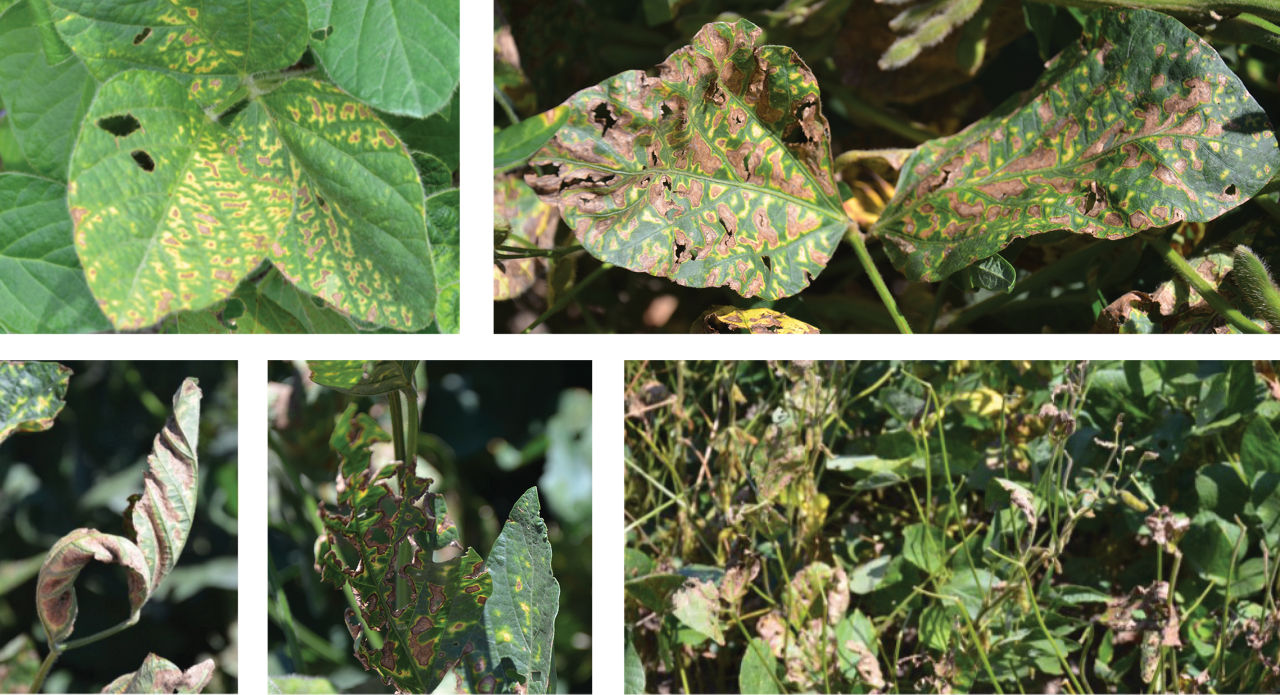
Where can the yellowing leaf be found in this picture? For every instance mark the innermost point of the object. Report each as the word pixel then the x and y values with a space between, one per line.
pixel 728 319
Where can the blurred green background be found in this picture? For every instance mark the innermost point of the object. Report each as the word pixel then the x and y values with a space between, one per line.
pixel 81 473
pixel 490 430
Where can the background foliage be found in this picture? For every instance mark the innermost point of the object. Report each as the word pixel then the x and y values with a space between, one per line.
pixel 485 448
pixel 952 527
pixel 892 75
pixel 81 473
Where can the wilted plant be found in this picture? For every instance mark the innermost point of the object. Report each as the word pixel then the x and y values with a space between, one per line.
pixel 424 610
pixel 157 523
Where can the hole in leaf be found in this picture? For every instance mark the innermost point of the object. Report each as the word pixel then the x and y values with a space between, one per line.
pixel 666 110
pixel 142 36
pixel 1230 191
pixel 321 202
pixel 144 160
pixel 768 266
pixel 119 126
pixel 321 34
pixel 603 114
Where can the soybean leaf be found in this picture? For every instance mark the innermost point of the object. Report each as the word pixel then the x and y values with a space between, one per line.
pixel 633 679
pixel 171 209
pixel 1259 448
pixel 759 669
pixel 443 224
pixel 993 273
pixel 55 587
pixel 398 55
pixel 212 47
pixel 161 517
pixel 515 144
pixel 360 378
pixel 269 305
pixel 302 685
pixel 697 605
pixel 429 615
pixel 436 134
pixel 728 319
pixel 530 223
pixel 31 395
pixel 19 662
pixel 654 590
pixel 715 172
pixel 157 675
pixel 520 614
pixel 1141 127
pixel 42 288
pixel 924 546
pixel 44 102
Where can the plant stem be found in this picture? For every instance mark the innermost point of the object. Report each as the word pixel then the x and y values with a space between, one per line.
pixel 397 424
pixel 375 640
pixel 855 237
pixel 74 644
pixel 45 666
pixel 565 298
pixel 1202 286
pixel 413 423
pixel 1269 9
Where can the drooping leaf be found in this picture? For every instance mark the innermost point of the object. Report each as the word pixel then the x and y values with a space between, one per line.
pixel 520 614
pixel 30 395
pixel 55 588
pixel 1143 126
pixel 361 378
pixel 157 675
pixel 172 209
pixel 398 55
pixel 729 319
pixel 161 518
pixel 19 662
pixel 210 46
pixel 715 172
pixel 44 102
pixel 42 288
pixel 430 615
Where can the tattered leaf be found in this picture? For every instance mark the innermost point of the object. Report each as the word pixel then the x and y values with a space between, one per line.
pixel 55 588
pixel 19 662
pixel 158 675
pixel 42 288
pixel 212 47
pixel 361 378
pixel 715 172
pixel 728 319
pixel 1143 126
pixel 399 56
pixel 30 395
pixel 172 210
pixel 520 614
pixel 161 518
pixel 434 627
pixel 44 103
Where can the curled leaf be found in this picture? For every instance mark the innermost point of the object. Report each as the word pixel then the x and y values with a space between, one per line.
pixel 30 395
pixel 159 675
pixel 363 378
pixel 55 588
pixel 715 172
pixel 1140 127
pixel 728 319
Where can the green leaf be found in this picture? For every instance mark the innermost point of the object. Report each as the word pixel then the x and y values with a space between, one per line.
pixel 31 395
pixel 212 47
pixel 993 273
pixel 925 547
pixel 44 102
pixel 174 211
pixel 443 224
pixel 1260 448
pixel 758 672
pixel 300 685
pixel 42 288
pixel 437 134
pixel 936 626
pixel 520 614
pixel 159 675
pixel 716 172
pixel 429 615
pixel 515 144
pixel 633 678
pixel 1142 127
pixel 697 605
pixel 654 590
pixel 269 305
pixel 398 55
pixel 360 378
pixel 1265 500
pixel 864 578
pixel 1208 546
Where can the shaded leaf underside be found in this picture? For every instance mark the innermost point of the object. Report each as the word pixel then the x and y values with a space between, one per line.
pixel 715 172
pixel 1141 126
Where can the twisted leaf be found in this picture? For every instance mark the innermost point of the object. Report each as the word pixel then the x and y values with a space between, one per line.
pixel 159 675
pixel 429 615
pixel 1140 127
pixel 521 612
pixel 159 521
pixel 360 378
pixel 30 395
pixel 715 172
